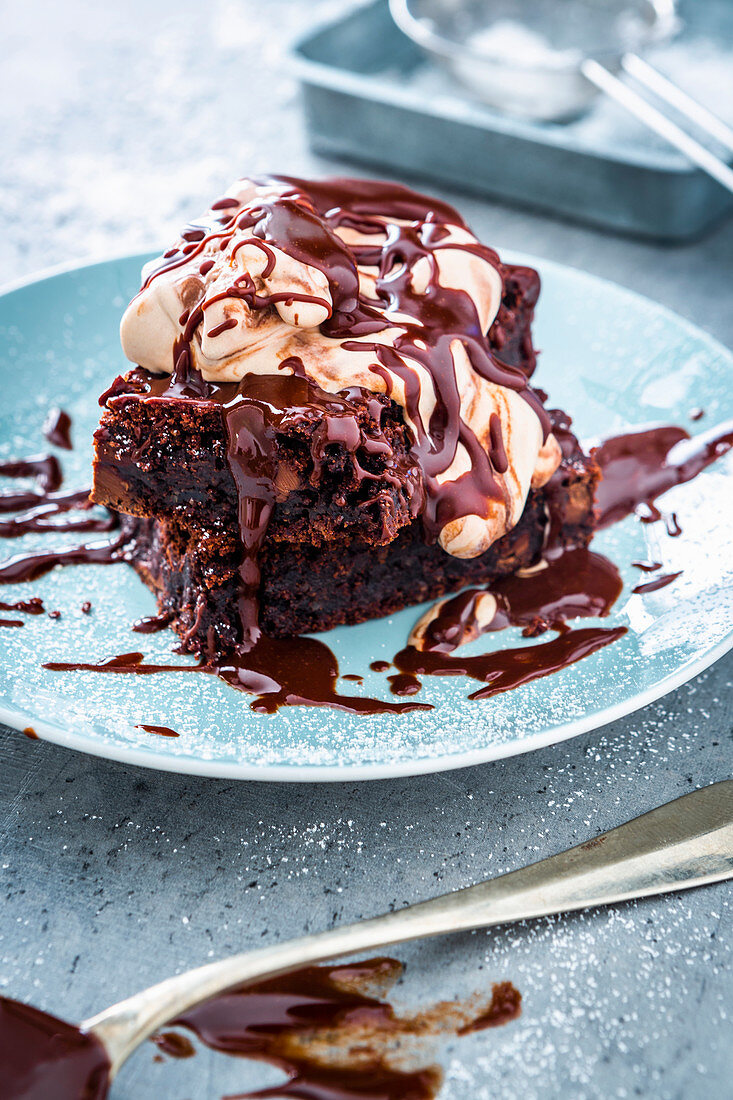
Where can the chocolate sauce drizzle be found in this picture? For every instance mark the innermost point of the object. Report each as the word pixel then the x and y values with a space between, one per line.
pixel 656 584
pixel 510 668
pixel 37 510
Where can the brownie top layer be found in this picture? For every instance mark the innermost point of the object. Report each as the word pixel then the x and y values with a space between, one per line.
pixel 352 283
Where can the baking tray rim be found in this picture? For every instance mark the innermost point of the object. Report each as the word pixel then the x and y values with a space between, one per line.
pixel 333 78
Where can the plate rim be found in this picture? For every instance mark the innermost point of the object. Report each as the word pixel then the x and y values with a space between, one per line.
pixel 346 773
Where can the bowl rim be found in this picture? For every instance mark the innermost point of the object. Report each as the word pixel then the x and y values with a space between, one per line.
pixel 664 23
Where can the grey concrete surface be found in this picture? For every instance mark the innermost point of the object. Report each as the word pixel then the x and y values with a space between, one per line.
pixel 116 122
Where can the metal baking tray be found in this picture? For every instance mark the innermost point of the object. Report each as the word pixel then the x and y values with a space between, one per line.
pixel 372 96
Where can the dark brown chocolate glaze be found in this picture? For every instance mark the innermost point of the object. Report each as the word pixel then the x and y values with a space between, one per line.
pixel 43 1058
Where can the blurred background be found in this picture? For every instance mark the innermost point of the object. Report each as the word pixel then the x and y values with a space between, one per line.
pixel 119 121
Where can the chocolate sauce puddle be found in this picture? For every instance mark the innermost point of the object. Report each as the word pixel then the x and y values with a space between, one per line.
pixel 638 467
pixel 577 583
pixel 42 1057
pixel 510 668
pixel 278 671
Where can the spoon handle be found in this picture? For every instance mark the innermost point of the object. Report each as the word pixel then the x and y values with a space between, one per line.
pixel 682 844
pixel 657 121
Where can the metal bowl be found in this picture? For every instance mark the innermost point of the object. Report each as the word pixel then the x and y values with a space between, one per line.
pixel 523 57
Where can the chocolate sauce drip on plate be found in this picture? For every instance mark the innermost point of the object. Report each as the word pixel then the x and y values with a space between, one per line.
pixel 26 567
pixel 57 429
pixel 379 666
pixel 638 467
pixel 403 683
pixel 647 566
pixel 656 584
pixel 151 624
pixel 43 1058
pixel 510 668
pixel 162 731
pixel 33 606
pixel 48 506
pixel 42 505
pixel 44 468
pixel 278 671
pixel 577 583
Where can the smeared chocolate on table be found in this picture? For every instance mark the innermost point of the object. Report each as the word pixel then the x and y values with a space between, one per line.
pixel 331 1034
pixel 327 1028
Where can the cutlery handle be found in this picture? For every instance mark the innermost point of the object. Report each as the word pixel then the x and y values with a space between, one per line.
pixel 646 113
pixel 682 844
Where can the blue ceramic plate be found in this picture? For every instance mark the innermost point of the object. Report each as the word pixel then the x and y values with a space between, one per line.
pixel 613 359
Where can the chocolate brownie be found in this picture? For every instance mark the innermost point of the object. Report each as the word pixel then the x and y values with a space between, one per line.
pixel 331 416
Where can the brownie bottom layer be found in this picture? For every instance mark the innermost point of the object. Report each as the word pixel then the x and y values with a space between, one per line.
pixel 313 588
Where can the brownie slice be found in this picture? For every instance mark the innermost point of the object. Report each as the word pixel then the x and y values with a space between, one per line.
pixel 344 463
pixel 510 336
pixel 161 455
pixel 306 588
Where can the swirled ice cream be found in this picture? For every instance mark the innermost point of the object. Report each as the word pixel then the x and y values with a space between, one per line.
pixel 358 284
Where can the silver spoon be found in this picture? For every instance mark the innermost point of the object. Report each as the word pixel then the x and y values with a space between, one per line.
pixel 685 843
